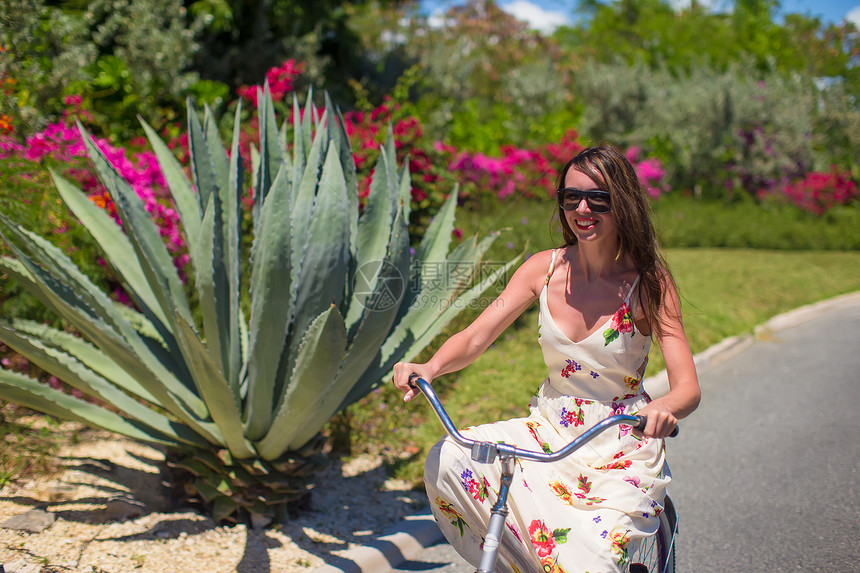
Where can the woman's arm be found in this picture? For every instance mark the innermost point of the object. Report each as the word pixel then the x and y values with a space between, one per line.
pixel 466 346
pixel 684 392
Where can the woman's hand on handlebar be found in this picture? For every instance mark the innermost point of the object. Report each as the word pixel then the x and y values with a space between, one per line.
pixel 403 371
pixel 661 421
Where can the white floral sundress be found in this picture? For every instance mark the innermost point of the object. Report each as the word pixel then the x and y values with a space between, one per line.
pixel 587 512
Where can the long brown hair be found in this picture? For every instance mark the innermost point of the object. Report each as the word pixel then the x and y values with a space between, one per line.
pixel 610 171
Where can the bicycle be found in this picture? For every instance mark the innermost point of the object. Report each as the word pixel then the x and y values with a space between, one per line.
pixel 655 554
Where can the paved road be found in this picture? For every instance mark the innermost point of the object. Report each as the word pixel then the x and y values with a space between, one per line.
pixel 766 471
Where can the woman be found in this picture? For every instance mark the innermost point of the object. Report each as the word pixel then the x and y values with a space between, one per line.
pixel 603 295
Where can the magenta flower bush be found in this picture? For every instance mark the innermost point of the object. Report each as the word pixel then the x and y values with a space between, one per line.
pixel 650 172
pixel 525 172
pixel 61 143
pixel 281 80
pixel 533 172
pixel 817 192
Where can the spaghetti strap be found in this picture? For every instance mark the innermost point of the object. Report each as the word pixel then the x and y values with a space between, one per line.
pixel 630 292
pixel 551 266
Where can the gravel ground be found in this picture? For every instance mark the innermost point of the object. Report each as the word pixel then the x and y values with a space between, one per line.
pixel 352 503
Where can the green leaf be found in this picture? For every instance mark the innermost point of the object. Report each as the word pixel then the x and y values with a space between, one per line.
pixel 456 305
pixel 377 319
pixel 30 393
pixel 71 371
pixel 187 202
pixel 271 152
pixel 429 268
pixel 374 234
pixel 609 335
pixel 86 353
pixel 319 355
pixel 144 235
pixel 437 239
pixel 374 328
pixel 560 535
pixel 72 296
pixel 216 391
pixel 299 150
pixel 209 493
pixel 306 190
pixel 212 292
pixel 325 263
pixel 231 197
pixel 203 171
pixel 113 243
pixel 308 121
pixel 214 149
pixel 271 305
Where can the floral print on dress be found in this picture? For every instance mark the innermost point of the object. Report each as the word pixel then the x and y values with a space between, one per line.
pixel 512 527
pixel 568 496
pixel 478 489
pixel 616 465
pixel 575 417
pixel 633 388
pixel 550 565
pixel 585 488
pixel 533 426
pixel 622 321
pixel 456 518
pixel 544 540
pixel 619 538
pixel 633 480
pixel 572 368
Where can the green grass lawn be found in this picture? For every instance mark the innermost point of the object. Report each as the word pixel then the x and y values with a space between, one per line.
pixel 725 292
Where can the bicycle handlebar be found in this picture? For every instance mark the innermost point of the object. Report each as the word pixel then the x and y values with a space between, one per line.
pixel 485 452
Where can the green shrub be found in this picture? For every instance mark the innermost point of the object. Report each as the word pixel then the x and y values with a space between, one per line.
pixel 683 222
pixel 485 79
pixel 124 57
pixel 715 132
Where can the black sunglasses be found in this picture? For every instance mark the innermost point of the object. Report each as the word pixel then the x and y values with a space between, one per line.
pixel 597 201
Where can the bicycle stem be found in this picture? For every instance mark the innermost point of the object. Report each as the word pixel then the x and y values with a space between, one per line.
pixel 498 515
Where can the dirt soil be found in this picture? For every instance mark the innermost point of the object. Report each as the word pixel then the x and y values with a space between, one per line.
pixel 352 503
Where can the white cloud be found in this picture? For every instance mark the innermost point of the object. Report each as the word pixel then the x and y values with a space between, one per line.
pixel 713 5
pixel 536 17
pixel 853 16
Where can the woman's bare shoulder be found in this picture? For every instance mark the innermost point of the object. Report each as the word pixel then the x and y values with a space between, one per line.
pixel 533 270
pixel 538 262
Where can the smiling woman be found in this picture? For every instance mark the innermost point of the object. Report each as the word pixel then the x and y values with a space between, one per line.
pixel 602 296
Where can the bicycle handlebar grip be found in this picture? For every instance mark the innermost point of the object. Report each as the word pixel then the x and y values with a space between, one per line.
pixel 412 378
pixel 643 420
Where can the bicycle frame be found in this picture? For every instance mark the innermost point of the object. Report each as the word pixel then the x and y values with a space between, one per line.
pixel 486 453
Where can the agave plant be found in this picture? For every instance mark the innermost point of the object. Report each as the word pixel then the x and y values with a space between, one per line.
pixel 237 376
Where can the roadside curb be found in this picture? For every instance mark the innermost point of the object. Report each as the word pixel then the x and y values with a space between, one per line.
pixel 404 542
pixel 417 532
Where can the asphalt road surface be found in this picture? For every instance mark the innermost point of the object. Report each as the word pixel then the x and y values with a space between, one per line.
pixel 766 471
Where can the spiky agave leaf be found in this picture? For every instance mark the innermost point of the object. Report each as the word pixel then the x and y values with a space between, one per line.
pixel 335 299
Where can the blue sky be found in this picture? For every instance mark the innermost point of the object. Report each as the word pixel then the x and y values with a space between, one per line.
pixel 545 14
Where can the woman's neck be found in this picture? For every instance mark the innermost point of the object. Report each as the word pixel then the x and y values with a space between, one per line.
pixel 596 260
